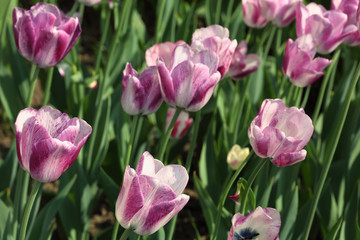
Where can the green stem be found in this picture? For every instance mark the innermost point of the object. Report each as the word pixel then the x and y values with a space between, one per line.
pixel 115 231
pixel 48 86
pixel 249 183
pixel 225 193
pixel 306 97
pixel 34 72
pixel 228 13
pixel 102 40
pixel 24 223
pixel 166 136
pixel 159 22
pixel 131 140
pixel 331 148
pixel 319 101
pixel 125 234
pixel 193 141
pixel 74 8
pixel 172 226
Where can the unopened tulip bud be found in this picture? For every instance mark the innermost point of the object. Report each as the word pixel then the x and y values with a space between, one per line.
pixel 237 156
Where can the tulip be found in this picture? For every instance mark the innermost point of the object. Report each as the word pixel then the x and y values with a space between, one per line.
pixel 242 64
pixel 237 156
pixel 260 224
pixel 252 14
pixel 89 2
pixel 350 8
pixel 281 13
pixel 161 50
pixel 48 141
pixel 140 93
pixel 280 133
pixel 191 79
pixel 299 63
pixel 151 195
pixel 44 34
pixel 215 38
pixel 182 124
pixel 326 27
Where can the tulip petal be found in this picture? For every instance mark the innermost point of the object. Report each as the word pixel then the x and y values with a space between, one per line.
pixel 174 176
pixel 148 165
pixel 50 158
pixel 290 158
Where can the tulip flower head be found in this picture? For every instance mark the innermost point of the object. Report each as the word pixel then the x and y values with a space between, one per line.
pixel 280 133
pixel 326 27
pixel 43 34
pixel 281 13
pixel 191 79
pixel 151 195
pixel 89 2
pixel 260 224
pixel 350 8
pixel 140 93
pixel 161 50
pixel 215 38
pixel 48 141
pixel 242 64
pixel 252 14
pixel 182 124
pixel 237 156
pixel 299 63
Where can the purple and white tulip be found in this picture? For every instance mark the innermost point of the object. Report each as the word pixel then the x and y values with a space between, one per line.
pixel 326 27
pixel 43 34
pixel 140 93
pixel 48 141
pixel 161 50
pixel 280 133
pixel 252 14
pixel 215 38
pixel 89 2
pixel 260 224
pixel 299 63
pixel 151 195
pixel 182 124
pixel 350 8
pixel 191 79
pixel 281 13
pixel 242 64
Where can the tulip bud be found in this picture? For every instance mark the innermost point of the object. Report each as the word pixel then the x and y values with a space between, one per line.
pixel 140 93
pixel 237 156
pixel 182 124
pixel 191 79
pixel 48 141
pixel 44 34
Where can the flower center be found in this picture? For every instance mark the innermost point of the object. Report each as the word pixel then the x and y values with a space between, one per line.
pixel 246 234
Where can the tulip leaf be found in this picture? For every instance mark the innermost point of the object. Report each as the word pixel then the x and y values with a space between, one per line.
pixel 256 85
pixel 39 230
pixel 332 235
pixel 5 217
pixel 110 188
pixel 8 168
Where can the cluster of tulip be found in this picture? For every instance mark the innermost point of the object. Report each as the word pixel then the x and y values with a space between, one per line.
pixel 185 77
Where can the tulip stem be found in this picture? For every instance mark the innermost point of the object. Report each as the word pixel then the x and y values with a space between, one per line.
pixel 34 72
pixel 102 40
pixel 115 231
pixel 319 101
pixel 193 141
pixel 48 86
pixel 125 234
pixel 35 188
pixel 166 136
pixel 249 183
pixel 330 151
pixel 225 193
pixel 131 141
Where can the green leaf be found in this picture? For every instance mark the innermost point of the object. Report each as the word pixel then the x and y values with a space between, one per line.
pixel 39 230
pixel 8 168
